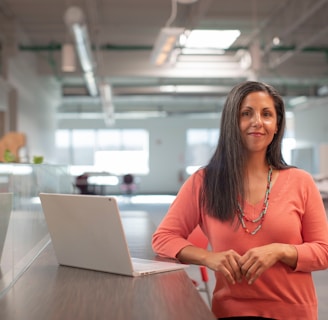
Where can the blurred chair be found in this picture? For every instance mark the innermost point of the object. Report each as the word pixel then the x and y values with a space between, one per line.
pixel 128 185
pixel 198 238
pixel 81 183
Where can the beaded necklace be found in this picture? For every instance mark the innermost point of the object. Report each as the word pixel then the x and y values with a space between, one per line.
pixel 243 218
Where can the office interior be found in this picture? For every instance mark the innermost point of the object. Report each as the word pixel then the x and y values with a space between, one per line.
pixel 282 43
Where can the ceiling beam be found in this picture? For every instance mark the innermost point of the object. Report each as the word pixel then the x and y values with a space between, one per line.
pixel 315 6
pixel 302 46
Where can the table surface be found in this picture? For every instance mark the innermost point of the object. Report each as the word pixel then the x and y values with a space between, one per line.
pixel 49 291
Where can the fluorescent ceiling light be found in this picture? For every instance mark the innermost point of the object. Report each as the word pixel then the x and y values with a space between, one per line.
pixel 207 58
pixel 297 100
pixel 233 66
pixel 106 93
pixel 201 51
pixel 164 45
pixel 107 104
pixel 195 89
pixel 80 116
pixel 74 19
pixel 83 47
pixel 219 39
pixel 141 115
pixel 121 115
pixel 91 83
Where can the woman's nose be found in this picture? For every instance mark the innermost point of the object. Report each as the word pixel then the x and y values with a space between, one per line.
pixel 257 120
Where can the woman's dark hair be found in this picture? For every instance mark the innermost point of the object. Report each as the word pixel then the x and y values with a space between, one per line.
pixel 224 174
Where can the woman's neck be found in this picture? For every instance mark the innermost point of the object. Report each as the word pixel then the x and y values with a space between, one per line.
pixel 256 164
pixel 256 180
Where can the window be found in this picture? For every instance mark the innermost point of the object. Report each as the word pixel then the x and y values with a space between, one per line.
pixel 288 144
pixel 128 153
pixel 289 141
pixel 84 146
pixel 201 144
pixel 117 151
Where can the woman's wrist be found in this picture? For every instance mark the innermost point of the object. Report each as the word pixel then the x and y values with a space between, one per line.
pixel 289 255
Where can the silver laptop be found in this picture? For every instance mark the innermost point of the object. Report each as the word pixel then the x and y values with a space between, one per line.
pixel 87 232
pixel 6 200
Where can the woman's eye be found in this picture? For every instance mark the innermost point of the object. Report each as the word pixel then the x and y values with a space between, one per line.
pixel 245 113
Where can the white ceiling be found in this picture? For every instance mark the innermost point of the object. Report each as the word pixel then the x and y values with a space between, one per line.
pixel 123 33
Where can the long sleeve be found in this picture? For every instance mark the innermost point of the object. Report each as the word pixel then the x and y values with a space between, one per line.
pixel 182 217
pixel 313 252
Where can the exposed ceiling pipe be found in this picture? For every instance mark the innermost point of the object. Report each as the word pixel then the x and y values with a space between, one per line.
pixel 105 89
pixel 259 28
pixel 315 6
pixel 74 19
pixel 298 49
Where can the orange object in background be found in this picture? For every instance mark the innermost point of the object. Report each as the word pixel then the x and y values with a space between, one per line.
pixel 12 142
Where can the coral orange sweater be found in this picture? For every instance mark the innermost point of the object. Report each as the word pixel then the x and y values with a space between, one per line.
pixel 295 215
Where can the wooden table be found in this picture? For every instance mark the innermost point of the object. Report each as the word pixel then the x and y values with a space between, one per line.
pixel 49 291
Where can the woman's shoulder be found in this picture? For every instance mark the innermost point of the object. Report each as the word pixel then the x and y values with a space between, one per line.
pixel 297 174
pixel 297 171
pixel 197 176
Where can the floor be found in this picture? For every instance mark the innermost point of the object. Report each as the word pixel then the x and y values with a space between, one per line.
pixel 156 206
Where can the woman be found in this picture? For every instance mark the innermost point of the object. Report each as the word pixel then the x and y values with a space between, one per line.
pixel 265 220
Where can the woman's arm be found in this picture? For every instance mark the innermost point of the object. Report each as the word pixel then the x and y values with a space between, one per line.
pixel 313 252
pixel 181 219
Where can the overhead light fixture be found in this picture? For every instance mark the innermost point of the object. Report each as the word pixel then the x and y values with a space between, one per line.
pixel 164 45
pixel 202 52
pixel 217 39
pixel 297 100
pixel 245 59
pixel 91 82
pixel 74 19
pixel 121 115
pixel 83 47
pixel 276 41
pixel 195 42
pixel 106 95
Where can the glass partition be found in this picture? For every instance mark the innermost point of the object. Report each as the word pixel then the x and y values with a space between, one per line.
pixel 23 230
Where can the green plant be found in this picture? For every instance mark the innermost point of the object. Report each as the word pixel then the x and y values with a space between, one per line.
pixel 37 159
pixel 9 156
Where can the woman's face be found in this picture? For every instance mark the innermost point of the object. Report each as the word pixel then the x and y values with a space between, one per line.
pixel 257 121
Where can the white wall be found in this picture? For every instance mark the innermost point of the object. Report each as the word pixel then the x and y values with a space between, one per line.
pixel 37 99
pixel 166 148
pixel 311 132
pixel 3 95
pixel 323 154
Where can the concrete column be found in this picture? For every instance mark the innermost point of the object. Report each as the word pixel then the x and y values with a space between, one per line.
pixel 8 48
pixel 12 109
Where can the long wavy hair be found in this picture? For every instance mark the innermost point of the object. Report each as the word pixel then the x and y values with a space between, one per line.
pixel 224 174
